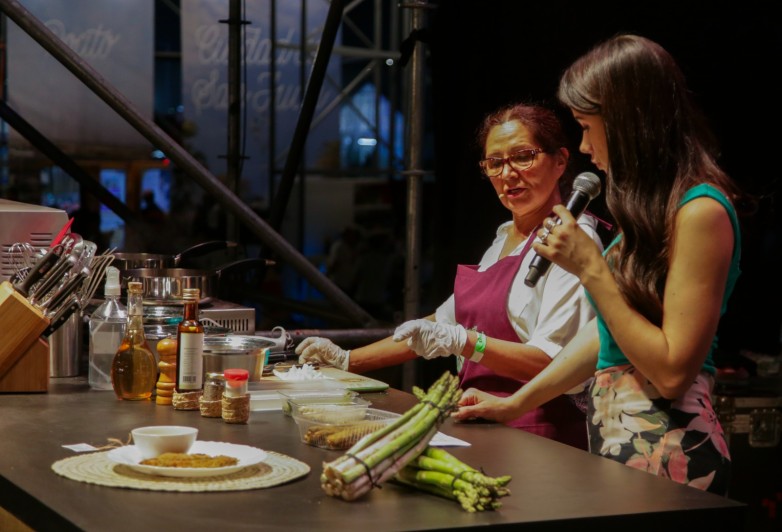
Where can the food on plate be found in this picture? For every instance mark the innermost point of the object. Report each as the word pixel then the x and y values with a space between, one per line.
pixel 190 460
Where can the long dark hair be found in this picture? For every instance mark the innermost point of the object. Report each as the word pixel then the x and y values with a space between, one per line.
pixel 659 146
pixel 544 125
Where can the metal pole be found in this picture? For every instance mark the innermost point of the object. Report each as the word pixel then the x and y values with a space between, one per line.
pixel 415 176
pixel 184 160
pixel 70 167
pixel 292 163
pixel 272 98
pixel 234 152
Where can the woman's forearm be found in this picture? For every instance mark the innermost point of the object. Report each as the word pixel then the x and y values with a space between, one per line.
pixel 381 354
pixel 573 365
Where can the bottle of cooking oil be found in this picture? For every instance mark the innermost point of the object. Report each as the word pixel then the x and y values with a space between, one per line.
pixel 190 345
pixel 134 368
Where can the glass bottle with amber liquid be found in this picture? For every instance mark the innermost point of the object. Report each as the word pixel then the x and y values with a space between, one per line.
pixel 190 345
pixel 134 368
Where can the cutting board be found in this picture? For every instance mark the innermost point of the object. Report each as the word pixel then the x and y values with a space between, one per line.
pixel 345 379
pixel 353 381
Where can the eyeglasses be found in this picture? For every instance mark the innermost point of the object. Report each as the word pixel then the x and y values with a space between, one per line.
pixel 521 160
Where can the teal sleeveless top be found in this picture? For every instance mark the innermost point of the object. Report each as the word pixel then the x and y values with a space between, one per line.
pixel 610 355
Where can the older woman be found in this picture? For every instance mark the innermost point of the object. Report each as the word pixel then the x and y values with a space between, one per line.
pixel 504 331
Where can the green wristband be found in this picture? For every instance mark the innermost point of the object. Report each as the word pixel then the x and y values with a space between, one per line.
pixel 480 347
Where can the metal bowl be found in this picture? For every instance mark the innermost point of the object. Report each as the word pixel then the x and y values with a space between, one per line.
pixel 236 351
pixel 156 332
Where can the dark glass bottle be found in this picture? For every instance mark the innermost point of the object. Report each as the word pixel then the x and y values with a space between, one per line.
pixel 190 345
pixel 134 368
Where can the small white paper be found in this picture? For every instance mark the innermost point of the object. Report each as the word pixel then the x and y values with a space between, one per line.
pixel 80 447
pixel 443 440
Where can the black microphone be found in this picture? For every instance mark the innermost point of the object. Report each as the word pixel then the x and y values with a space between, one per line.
pixel 586 187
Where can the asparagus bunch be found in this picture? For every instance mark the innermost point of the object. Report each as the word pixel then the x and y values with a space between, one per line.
pixel 440 473
pixel 378 456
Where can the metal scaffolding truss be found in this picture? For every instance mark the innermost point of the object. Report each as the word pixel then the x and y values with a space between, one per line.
pixel 379 46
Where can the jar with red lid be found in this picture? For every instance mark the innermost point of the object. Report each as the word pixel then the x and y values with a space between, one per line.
pixel 236 400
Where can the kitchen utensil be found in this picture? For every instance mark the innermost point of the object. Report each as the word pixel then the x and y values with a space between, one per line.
pixel 73 243
pixel 166 286
pixel 132 261
pixel 39 270
pixel 88 253
pixel 57 239
pixel 53 278
pixel 64 313
pixel 156 332
pixel 236 351
pixel 52 305
pixel 65 342
pixel 98 267
pixel 23 257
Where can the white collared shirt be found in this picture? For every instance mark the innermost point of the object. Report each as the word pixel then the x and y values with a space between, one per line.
pixel 547 315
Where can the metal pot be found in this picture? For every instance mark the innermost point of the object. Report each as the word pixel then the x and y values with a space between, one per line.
pixel 236 351
pixel 165 286
pixel 156 332
pixel 131 261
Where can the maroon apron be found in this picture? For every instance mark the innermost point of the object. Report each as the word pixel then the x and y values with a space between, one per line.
pixel 481 303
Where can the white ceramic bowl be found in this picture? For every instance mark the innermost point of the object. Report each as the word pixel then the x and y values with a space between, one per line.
pixel 155 440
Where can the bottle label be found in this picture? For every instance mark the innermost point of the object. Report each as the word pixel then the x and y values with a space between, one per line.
pixel 190 365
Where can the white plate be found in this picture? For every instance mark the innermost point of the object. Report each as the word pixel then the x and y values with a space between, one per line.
pixel 130 456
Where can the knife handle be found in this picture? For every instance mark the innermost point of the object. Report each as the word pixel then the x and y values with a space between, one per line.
pixel 61 317
pixel 65 291
pixel 52 279
pixel 39 269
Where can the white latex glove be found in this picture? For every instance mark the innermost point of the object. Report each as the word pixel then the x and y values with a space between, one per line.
pixel 430 339
pixel 323 350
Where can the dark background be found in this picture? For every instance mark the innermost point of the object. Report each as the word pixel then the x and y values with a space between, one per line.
pixel 485 54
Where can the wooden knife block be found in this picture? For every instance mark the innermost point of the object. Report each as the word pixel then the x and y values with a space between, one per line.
pixel 24 356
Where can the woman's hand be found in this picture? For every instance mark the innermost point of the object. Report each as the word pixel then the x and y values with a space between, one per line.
pixel 567 245
pixel 324 351
pixel 477 404
pixel 430 339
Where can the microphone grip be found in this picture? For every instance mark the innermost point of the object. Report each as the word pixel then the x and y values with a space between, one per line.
pixel 537 269
pixel 576 204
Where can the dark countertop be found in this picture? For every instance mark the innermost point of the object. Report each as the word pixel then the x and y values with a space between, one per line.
pixel 554 487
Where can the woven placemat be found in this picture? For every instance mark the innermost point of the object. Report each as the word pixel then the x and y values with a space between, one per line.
pixel 97 468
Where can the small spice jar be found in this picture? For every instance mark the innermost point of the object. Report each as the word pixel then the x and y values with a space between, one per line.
pixel 211 401
pixel 236 400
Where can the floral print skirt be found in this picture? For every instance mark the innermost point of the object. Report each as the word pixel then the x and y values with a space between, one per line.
pixel 629 422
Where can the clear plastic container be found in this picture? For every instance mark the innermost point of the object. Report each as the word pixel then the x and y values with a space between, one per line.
pixel 293 398
pixel 107 327
pixel 304 404
pixel 339 428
